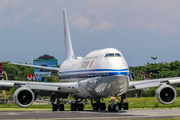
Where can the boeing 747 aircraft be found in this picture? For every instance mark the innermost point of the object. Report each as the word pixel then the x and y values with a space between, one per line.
pixel 100 74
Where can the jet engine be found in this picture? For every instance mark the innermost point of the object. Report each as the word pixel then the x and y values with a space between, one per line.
pixel 166 94
pixel 23 97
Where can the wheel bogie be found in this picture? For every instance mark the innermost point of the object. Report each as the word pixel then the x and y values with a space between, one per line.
pixel 126 106
pixel 110 108
pixel 120 106
pixel 54 107
pixel 80 107
pixel 73 107
pixel 102 106
pixel 61 107
pixel 95 106
pixel 115 107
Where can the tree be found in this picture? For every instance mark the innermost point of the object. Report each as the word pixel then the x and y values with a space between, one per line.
pixel 158 70
pixel 15 72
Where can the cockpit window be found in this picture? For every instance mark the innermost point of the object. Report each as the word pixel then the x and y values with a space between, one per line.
pixel 117 55
pixel 106 55
pixel 112 55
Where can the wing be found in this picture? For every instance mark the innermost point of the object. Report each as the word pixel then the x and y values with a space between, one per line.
pixel 27 92
pixel 39 67
pixel 138 85
pixel 41 87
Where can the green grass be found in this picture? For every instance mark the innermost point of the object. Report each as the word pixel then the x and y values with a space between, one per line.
pixel 151 102
pixel 135 103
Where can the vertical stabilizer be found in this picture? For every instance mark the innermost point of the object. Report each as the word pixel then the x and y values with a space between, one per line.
pixel 67 38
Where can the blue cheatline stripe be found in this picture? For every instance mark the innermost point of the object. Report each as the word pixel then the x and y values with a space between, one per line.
pixel 89 75
pixel 103 72
pixel 95 70
pixel 117 73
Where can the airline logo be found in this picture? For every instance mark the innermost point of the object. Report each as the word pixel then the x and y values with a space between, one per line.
pixel 91 63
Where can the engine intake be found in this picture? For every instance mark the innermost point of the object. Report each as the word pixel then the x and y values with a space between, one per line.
pixel 166 94
pixel 23 97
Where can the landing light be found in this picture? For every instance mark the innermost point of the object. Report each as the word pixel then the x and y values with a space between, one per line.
pixel 112 98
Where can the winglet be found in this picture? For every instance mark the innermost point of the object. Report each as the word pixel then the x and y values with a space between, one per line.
pixel 67 38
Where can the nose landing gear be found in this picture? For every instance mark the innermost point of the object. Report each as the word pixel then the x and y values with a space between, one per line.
pixel 116 107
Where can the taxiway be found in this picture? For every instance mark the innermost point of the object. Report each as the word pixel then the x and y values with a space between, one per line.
pixel 76 115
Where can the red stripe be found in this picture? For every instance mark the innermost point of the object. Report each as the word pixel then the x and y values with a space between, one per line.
pixel 91 63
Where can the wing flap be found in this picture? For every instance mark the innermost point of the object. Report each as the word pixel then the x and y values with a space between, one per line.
pixel 6 84
pixel 147 85
pixel 174 82
pixel 136 85
pixel 61 87
pixel 42 87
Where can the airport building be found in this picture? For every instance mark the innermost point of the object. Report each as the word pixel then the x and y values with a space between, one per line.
pixel 47 61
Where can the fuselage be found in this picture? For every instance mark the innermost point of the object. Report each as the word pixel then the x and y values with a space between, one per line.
pixel 101 72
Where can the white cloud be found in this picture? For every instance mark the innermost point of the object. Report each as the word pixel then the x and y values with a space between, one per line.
pixel 105 25
pixel 156 16
pixel 37 12
pixel 5 4
pixel 150 15
pixel 137 14
pixel 101 3
pixel 80 21
pixel 44 14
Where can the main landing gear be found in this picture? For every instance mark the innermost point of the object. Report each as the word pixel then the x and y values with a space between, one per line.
pixel 98 105
pixel 116 107
pixel 76 106
pixel 56 106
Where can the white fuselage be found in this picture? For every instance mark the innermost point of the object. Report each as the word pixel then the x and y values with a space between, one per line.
pixel 101 73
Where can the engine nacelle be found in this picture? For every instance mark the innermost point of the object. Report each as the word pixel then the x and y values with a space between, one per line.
pixel 23 97
pixel 166 94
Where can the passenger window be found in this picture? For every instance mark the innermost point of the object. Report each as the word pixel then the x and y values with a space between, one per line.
pixel 117 55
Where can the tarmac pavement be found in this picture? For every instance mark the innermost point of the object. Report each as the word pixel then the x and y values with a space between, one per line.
pixel 88 114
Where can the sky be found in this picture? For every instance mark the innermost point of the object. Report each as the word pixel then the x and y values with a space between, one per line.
pixel 138 28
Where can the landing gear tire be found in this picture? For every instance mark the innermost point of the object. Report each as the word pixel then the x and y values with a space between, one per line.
pixel 95 106
pixel 110 108
pixel 61 107
pixel 116 108
pixel 73 107
pixel 80 107
pixel 126 106
pixel 54 107
pixel 120 106
pixel 102 106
